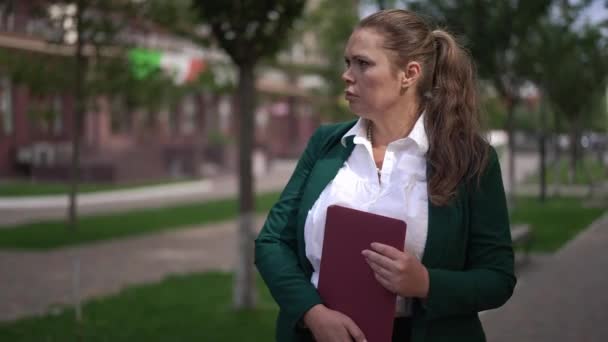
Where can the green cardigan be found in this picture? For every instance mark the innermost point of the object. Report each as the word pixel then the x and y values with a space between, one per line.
pixel 468 253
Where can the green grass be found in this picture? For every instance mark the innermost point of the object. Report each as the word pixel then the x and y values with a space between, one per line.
pixel 51 234
pixel 181 308
pixel 595 169
pixel 19 188
pixel 555 222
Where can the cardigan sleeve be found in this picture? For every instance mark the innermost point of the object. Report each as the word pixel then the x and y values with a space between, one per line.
pixel 488 279
pixel 276 246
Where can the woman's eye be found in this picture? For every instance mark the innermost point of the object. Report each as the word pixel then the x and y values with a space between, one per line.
pixel 363 63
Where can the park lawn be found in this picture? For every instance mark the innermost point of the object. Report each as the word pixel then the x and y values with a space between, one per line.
pixel 52 234
pixel 555 222
pixel 194 307
pixel 595 169
pixel 19 188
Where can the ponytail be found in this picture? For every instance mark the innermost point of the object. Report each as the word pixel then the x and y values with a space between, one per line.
pixel 457 149
pixel 447 92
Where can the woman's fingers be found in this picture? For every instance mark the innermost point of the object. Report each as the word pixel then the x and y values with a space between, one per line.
pixel 332 326
pixel 379 269
pixel 353 330
pixel 385 282
pixel 379 259
pixel 386 250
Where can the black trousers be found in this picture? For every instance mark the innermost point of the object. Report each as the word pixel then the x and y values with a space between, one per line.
pixel 402 331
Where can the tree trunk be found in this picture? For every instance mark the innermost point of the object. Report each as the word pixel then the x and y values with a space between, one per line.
pixel 557 169
pixel 511 146
pixel 543 149
pixel 574 148
pixel 244 286
pixel 557 158
pixel 77 122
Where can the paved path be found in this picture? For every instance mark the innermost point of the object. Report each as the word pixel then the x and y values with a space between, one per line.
pixel 19 210
pixel 32 282
pixel 565 299
pixel 27 209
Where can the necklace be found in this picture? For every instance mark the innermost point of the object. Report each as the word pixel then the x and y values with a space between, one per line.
pixel 370 137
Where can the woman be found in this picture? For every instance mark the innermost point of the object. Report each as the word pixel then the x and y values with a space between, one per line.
pixel 416 153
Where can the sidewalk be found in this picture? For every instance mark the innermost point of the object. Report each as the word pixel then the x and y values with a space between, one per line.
pixel 565 299
pixel 34 282
pixel 561 297
pixel 19 210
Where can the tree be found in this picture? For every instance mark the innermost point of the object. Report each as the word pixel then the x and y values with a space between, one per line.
pixel 495 32
pixel 96 24
pixel 572 68
pixel 91 61
pixel 384 4
pixel 248 31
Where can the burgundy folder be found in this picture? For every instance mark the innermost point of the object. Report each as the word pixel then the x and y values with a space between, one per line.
pixel 346 282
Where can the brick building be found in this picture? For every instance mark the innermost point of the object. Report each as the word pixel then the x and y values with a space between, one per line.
pixel 121 144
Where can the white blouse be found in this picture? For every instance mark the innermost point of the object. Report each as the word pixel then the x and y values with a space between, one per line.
pixel 401 192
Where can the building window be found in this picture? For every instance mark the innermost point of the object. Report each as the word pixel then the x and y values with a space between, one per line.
pixel 188 122
pixel 6 106
pixel 120 116
pixel 58 117
pixel 225 112
pixel 41 111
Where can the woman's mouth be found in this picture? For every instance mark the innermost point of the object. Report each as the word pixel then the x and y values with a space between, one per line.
pixel 349 95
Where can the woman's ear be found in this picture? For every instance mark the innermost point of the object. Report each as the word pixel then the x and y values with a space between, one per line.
pixel 411 74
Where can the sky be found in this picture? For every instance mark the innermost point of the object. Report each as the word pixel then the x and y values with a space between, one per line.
pixel 597 11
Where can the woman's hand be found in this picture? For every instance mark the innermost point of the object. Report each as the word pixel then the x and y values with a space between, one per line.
pixel 398 271
pixel 331 326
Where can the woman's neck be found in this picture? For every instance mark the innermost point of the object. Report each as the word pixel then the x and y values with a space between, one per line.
pixel 394 125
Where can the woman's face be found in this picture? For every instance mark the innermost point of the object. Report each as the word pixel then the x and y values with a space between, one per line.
pixel 373 84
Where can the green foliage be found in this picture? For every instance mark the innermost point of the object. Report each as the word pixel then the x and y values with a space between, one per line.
pixel 108 71
pixel 598 113
pixel 494 32
pixel 43 74
pixel 381 4
pixel 52 234
pixel 571 65
pixel 249 30
pixel 493 111
pixel 180 308
pixel 333 22
pixel 177 17
pixel 219 139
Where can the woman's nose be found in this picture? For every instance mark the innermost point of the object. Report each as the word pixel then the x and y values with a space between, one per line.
pixel 347 77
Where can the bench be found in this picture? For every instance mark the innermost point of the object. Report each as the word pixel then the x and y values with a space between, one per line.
pixel 521 235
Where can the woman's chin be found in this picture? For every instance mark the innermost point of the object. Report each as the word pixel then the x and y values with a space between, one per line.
pixel 356 109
